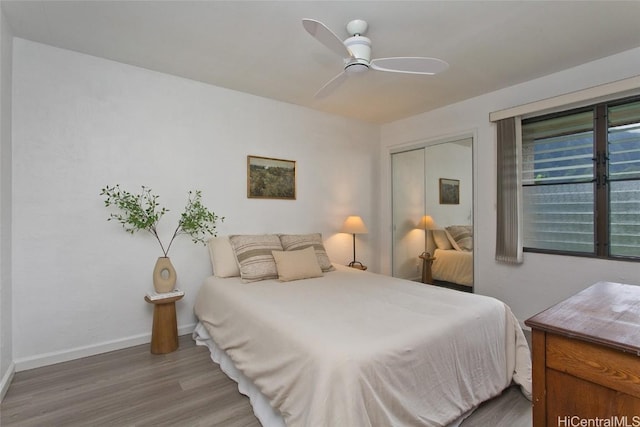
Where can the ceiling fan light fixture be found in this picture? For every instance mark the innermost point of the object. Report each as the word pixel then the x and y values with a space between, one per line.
pixel 356 67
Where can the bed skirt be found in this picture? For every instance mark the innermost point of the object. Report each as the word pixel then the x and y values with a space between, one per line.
pixel 262 409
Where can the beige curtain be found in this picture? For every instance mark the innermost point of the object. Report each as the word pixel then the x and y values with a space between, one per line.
pixel 509 199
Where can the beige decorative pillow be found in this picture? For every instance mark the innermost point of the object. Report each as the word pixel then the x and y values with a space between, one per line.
pixel 292 242
pixel 296 265
pixel 441 240
pixel 223 257
pixel 253 253
pixel 462 236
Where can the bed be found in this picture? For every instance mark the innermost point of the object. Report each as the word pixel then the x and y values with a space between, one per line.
pixel 453 255
pixel 348 347
pixel 453 266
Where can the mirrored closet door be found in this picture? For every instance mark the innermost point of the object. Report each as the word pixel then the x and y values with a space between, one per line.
pixel 408 207
pixel 432 213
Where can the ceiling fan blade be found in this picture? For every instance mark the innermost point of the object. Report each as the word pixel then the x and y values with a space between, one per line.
pixel 410 65
pixel 331 85
pixel 327 37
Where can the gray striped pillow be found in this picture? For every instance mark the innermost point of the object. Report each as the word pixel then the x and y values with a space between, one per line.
pixel 462 236
pixel 294 242
pixel 254 256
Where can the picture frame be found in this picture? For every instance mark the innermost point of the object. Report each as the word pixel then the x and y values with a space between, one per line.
pixel 270 178
pixel 449 191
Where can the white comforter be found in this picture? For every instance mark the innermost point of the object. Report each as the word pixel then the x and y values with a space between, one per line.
pixel 359 349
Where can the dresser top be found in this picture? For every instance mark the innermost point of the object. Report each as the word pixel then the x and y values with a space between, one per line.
pixel 605 313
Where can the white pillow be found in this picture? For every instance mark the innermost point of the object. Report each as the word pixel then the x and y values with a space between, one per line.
pixel 296 265
pixel 223 257
pixel 441 240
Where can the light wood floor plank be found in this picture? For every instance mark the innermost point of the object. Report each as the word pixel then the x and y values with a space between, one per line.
pixel 132 387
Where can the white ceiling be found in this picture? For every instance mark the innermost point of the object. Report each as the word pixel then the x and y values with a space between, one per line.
pixel 260 47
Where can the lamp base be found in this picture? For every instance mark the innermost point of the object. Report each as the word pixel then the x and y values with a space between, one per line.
pixel 358 265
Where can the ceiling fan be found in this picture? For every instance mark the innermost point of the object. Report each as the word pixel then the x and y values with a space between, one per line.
pixel 356 51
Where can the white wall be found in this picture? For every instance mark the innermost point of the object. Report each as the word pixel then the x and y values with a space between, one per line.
pixel 6 349
pixel 82 122
pixel 543 279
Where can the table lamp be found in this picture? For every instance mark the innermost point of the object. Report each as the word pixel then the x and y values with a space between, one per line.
pixel 427 224
pixel 354 225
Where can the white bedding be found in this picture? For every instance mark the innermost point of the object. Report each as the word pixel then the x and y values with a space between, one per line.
pixel 360 349
pixel 453 266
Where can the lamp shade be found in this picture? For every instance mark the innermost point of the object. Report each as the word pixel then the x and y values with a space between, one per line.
pixel 427 223
pixel 354 225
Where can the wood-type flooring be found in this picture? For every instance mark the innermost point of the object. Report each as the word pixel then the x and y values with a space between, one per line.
pixel 132 387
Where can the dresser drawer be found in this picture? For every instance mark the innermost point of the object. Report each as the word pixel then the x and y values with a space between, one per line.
pixel 601 365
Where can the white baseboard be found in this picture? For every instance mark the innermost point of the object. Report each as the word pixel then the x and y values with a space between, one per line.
pixel 6 380
pixel 52 358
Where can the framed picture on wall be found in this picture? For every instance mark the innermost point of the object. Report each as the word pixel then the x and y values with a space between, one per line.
pixel 269 178
pixel 449 191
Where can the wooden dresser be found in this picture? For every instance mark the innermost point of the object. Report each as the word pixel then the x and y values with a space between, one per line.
pixel 586 358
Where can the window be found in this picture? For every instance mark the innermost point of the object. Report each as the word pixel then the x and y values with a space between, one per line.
pixel 581 181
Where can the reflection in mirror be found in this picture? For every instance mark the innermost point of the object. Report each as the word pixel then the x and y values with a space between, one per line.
pixel 407 171
pixel 438 177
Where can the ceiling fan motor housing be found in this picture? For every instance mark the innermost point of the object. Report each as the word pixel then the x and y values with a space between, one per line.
pixel 360 48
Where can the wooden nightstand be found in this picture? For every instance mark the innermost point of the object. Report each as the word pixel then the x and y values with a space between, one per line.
pixel 427 260
pixel 164 335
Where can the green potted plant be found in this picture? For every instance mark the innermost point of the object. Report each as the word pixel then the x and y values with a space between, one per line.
pixel 137 212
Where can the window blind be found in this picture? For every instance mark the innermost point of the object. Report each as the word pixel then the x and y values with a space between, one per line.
pixel 509 195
